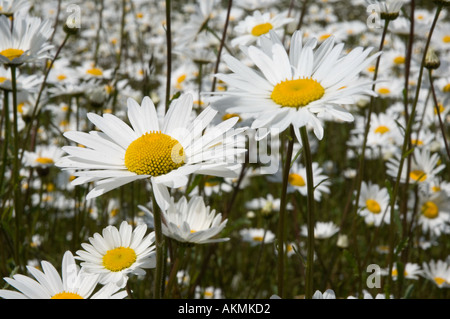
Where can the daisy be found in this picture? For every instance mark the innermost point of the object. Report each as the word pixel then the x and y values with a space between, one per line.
pixel 72 284
pixel 44 156
pixel 296 88
pixel 322 230
pixel 328 294
pixel 252 27
pixel 191 221
pixel 438 272
pixel 434 215
pixel 26 42
pixel 11 7
pixel 424 167
pixel 373 204
pixel 256 236
pixel 411 271
pixel 297 180
pixel 117 253
pixel 163 150
pixel 267 204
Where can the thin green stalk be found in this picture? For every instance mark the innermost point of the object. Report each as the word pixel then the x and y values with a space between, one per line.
pixel 281 221
pixel 181 248
pixel 310 211
pixel 159 242
pixel 169 52
pixel 6 137
pixel 404 149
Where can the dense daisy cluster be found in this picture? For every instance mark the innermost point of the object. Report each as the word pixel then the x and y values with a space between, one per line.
pixel 224 149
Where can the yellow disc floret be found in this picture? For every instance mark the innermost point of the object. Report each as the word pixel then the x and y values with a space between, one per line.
pixel 418 175
pixel 67 295
pixel 261 29
pixel 12 53
pixel 430 210
pixel 373 206
pixel 297 93
pixel 154 154
pixel 119 258
pixel 296 180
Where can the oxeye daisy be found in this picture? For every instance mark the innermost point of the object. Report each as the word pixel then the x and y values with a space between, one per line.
pixel 191 221
pixel 438 272
pixel 434 217
pixel 11 7
pixel 118 253
pixel 252 27
pixel 72 284
pixel 26 41
pixel 257 236
pixel 297 180
pixel 295 88
pixel 163 150
pixel 322 230
pixel 374 203
pixel 424 167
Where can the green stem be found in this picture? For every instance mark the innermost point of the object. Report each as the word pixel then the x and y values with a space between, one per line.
pixel 169 52
pixel 310 214
pixel 176 265
pixel 159 242
pixel 281 221
pixel 6 137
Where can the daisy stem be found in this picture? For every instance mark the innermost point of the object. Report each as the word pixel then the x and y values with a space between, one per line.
pixel 6 137
pixel 159 242
pixel 406 143
pixel 176 265
pixel 16 168
pixel 169 52
pixel 438 113
pixel 309 213
pixel 281 221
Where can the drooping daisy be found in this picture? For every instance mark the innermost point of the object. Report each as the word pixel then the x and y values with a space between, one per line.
pixel 163 150
pixel 374 204
pixel 297 180
pixel 118 253
pixel 26 41
pixel 424 167
pixel 72 284
pixel 296 88
pixel 191 221
pixel 438 272
pixel 253 26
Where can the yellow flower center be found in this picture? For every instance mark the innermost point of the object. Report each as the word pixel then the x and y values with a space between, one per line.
pixel 258 238
pixel 296 180
pixel 12 53
pixel 382 129
pixel 440 107
pixel 2 79
pixel 430 210
pixel 229 116
pixel 446 88
pixel 44 160
pixel 418 175
pixel 261 29
pixel 154 154
pixel 446 39
pixel 324 36
pixel 297 93
pixel 384 90
pixel 119 258
pixel 373 206
pixel 439 281
pixel 95 72
pixel 61 77
pixel 416 142
pixel 399 60
pixel 67 295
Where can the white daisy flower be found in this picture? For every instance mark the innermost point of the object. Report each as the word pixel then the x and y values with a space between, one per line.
pixel 424 167
pixel 26 41
pixel 438 272
pixel 163 150
pixel 256 236
pixel 11 7
pixel 72 284
pixel 118 253
pixel 328 294
pixel 253 26
pixel 297 180
pixel 191 221
pixel 410 271
pixel 434 217
pixel 374 204
pixel 322 230
pixel 296 88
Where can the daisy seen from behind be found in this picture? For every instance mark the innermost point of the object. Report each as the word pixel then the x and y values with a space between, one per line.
pixel 118 253
pixel 164 150
pixel 73 283
pixel 191 221
pixel 295 88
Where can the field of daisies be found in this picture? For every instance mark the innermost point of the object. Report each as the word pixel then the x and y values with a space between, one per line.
pixel 210 149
